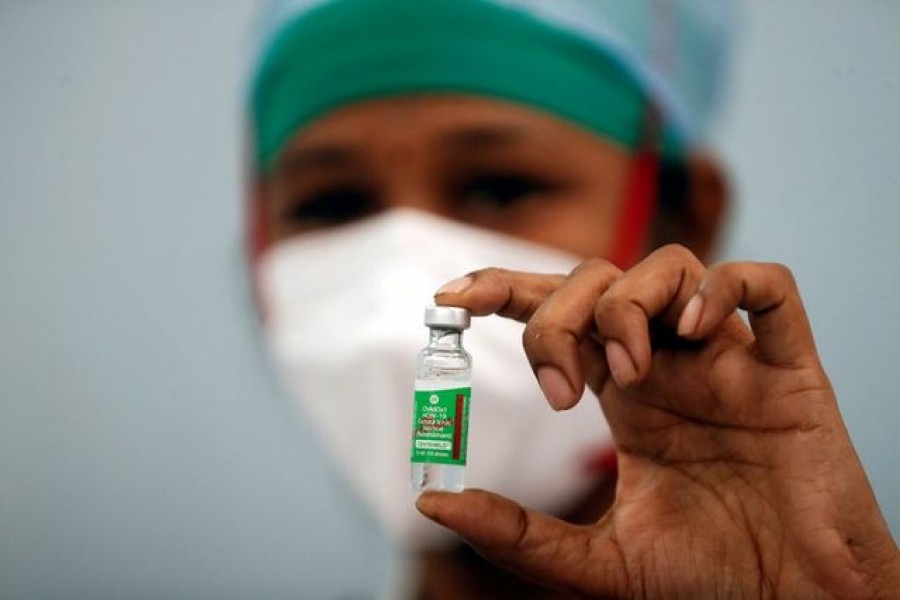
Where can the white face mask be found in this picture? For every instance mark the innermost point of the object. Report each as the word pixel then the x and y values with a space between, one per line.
pixel 344 316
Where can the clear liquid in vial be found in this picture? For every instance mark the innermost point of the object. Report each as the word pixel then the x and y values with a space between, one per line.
pixel 443 365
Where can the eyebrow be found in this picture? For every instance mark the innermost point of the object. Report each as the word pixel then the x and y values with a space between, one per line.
pixel 335 155
pixel 482 137
pixel 322 156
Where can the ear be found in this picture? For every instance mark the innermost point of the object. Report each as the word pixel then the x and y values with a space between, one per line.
pixel 708 200
pixel 257 232
pixel 693 200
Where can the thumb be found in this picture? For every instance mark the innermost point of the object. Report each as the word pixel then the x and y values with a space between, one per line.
pixel 576 558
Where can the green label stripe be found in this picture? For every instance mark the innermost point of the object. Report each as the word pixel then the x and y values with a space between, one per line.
pixel 441 426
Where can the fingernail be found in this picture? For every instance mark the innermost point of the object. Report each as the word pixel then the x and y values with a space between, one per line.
pixel 456 286
pixel 620 365
pixel 555 387
pixel 690 316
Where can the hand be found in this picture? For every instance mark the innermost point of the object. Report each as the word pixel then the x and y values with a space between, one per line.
pixel 737 477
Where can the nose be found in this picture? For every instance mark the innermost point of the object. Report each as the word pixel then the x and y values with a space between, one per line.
pixel 415 197
pixel 414 182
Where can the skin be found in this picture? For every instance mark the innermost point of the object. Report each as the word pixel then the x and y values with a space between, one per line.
pixel 737 478
pixel 478 161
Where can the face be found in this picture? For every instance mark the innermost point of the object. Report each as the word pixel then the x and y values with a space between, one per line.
pixel 482 162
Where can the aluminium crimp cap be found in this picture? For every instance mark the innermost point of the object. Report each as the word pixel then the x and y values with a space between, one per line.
pixel 450 317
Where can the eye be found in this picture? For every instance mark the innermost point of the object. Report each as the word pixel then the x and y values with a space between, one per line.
pixel 331 207
pixel 500 191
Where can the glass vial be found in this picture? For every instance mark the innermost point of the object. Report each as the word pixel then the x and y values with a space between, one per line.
pixel 441 405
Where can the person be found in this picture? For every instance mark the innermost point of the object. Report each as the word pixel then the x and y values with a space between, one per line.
pixel 395 144
pixel 737 477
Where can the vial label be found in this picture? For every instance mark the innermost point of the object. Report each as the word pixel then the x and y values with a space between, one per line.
pixel 441 426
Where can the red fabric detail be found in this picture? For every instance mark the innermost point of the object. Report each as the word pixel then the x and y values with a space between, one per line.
pixel 603 461
pixel 637 211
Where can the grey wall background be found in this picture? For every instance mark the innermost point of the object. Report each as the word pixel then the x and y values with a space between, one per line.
pixel 813 138
pixel 144 450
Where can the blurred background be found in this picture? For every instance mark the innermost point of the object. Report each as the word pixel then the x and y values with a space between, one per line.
pixel 145 450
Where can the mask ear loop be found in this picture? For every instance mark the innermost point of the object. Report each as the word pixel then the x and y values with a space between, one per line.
pixel 640 194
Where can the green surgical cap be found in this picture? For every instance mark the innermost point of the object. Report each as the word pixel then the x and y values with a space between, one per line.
pixel 595 63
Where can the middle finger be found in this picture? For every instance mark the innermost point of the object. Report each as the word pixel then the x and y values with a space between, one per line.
pixel 659 287
pixel 556 335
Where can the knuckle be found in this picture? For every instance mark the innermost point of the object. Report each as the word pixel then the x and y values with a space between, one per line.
pixel 602 310
pixel 539 337
pixel 676 252
pixel 726 271
pixel 535 331
pixel 598 267
pixel 611 309
pixel 531 340
pixel 782 275
pixel 489 274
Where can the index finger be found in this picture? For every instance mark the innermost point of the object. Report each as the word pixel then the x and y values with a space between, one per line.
pixel 510 294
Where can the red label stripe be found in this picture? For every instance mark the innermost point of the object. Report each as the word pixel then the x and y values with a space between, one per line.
pixel 457 426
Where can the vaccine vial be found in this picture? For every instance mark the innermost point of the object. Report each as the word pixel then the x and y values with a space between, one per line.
pixel 441 404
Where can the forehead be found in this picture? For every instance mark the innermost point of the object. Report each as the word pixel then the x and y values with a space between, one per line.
pixel 445 120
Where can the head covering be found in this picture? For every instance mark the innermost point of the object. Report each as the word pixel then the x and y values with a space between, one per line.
pixel 597 63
